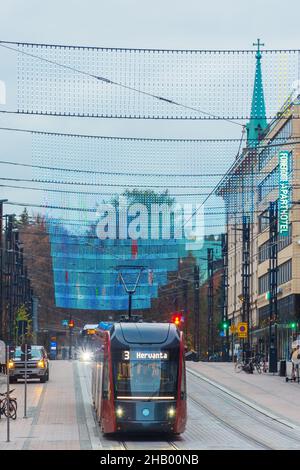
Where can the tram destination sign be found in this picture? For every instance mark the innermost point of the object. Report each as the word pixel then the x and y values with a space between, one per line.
pixel 284 193
pixel 136 355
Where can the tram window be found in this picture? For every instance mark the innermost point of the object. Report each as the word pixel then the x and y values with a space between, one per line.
pixel 145 377
pixel 105 385
pixel 183 380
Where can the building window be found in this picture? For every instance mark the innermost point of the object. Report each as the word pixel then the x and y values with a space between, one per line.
pixel 268 184
pixel 263 252
pixel 263 220
pixel 286 309
pixel 284 275
pixel 283 241
pixel 285 272
pixel 263 283
pixel 281 137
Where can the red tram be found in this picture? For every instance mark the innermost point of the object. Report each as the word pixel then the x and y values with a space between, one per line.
pixel 138 379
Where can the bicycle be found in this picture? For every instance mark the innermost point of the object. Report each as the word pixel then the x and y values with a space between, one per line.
pixel 11 409
pixel 260 360
pixel 245 366
pixel 256 361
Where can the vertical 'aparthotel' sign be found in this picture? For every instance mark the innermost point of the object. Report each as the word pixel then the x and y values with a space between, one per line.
pixel 283 208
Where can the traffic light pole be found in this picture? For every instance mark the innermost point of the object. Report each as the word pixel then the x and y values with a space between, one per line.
pixel 196 310
pixel 225 340
pixel 70 338
pixel 210 300
pixel 246 280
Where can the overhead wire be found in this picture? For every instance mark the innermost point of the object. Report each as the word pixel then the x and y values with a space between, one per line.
pixel 118 84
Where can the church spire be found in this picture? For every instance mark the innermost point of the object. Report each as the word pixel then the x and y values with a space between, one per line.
pixel 258 121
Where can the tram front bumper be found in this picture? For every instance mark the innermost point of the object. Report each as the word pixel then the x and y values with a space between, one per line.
pixel 144 416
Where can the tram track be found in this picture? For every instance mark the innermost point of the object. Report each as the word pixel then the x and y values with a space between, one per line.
pixel 144 444
pixel 230 426
pixel 271 424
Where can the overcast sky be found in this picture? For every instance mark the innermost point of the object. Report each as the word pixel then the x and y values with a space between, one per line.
pixel 189 24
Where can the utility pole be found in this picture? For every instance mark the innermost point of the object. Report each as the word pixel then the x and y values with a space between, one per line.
pixel 2 201
pixel 273 284
pixel 10 271
pixel 225 340
pixel 246 276
pixel 71 326
pixel 196 310
pixel 185 305
pixel 210 300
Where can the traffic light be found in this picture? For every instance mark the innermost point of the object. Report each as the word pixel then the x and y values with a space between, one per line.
pixel 177 318
pixel 71 323
pixel 293 325
pixel 224 325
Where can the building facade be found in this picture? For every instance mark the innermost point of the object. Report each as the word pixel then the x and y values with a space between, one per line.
pixel 248 189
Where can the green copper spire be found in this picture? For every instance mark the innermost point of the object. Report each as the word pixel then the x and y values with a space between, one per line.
pixel 258 121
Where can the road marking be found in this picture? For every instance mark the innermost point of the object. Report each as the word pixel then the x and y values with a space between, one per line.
pixel 244 400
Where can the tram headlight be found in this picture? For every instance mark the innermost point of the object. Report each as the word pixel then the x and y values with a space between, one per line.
pixel 171 412
pixel 86 355
pixel 119 412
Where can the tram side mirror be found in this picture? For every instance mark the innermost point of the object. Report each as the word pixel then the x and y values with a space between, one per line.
pixel 104 395
pixel 182 395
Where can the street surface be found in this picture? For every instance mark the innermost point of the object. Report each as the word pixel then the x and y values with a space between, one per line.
pixel 225 411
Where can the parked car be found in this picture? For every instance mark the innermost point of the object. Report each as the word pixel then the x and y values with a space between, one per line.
pixel 37 366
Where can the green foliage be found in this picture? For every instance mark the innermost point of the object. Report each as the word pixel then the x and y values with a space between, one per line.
pixel 24 321
pixel 24 218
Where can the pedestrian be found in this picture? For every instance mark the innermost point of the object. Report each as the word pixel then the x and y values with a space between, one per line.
pixel 295 357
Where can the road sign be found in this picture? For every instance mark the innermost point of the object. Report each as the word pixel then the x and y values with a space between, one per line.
pixel 233 329
pixel 242 330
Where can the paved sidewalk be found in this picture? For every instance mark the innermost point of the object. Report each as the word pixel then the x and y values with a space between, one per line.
pixel 268 391
pixel 56 418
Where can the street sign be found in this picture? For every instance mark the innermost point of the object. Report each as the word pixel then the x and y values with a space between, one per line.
pixel 242 329
pixel 284 192
pixel 232 329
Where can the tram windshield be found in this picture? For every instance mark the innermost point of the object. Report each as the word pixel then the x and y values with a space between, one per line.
pixel 147 374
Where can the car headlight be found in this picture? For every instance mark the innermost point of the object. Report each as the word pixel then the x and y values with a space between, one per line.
pixel 171 412
pixel 41 364
pixel 11 364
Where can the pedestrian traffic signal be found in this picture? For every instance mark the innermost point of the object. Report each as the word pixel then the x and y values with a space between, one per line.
pixel 71 323
pixel 177 318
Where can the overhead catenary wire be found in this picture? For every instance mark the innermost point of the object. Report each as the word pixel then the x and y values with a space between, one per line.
pixel 118 84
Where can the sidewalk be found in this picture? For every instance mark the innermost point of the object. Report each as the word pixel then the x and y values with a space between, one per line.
pixel 55 413
pixel 268 391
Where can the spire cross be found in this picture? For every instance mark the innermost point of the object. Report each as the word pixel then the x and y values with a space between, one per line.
pixel 258 44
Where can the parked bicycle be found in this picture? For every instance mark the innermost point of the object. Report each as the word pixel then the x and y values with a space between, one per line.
pixel 257 363
pixel 260 363
pixel 246 366
pixel 8 407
